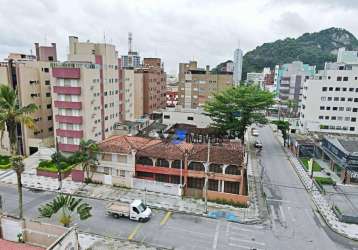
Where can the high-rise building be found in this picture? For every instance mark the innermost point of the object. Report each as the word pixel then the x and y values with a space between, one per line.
pixel 133 94
pixel 132 59
pixel 197 85
pixel 238 55
pixel 330 98
pixel 86 100
pixel 30 75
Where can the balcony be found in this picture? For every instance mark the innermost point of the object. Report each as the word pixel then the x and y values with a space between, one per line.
pixel 69 133
pixel 68 147
pixel 157 170
pixel 69 119
pixel 68 105
pixel 67 73
pixel 67 90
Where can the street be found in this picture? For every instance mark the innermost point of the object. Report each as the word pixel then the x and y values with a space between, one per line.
pixel 292 223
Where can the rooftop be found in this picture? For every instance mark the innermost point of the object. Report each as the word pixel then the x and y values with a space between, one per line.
pixel 9 245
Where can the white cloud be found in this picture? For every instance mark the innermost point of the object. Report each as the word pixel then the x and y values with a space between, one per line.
pixel 176 31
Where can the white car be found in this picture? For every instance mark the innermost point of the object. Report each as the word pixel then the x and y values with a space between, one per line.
pixel 254 132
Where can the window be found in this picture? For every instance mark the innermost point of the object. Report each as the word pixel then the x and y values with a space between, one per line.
pixel 49 118
pixel 353 119
pixel 355 109
pixel 330 89
pixel 339 78
pixel 48 94
pixel 329 78
pixel 333 118
pixel 341 108
pixel 326 117
pixel 351 89
pixel 47 82
pixel 351 129
pixel 347 119
pixel 343 99
pixel 350 99
pixel 338 89
pixel 344 89
pixel 46 70
pixel 336 99
pixel 335 108
pixel 190 118
pixel 328 108
pixel 355 99
pixel 321 108
pixel 49 106
pixel 122 173
pixel 329 98
pixel 356 89
pixel 323 98
pixel 320 117
pixel 339 118
pixel 50 58
pixel 348 109
pixel 345 78
pixel 50 129
pixel 324 89
pixel 166 116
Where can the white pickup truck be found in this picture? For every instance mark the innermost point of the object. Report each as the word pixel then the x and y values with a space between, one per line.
pixel 134 211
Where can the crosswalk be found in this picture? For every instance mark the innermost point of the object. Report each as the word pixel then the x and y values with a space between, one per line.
pixel 244 237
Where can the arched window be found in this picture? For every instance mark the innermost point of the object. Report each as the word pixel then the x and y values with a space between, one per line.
pixel 232 169
pixel 196 166
pixel 176 164
pixel 216 168
pixel 144 160
pixel 162 163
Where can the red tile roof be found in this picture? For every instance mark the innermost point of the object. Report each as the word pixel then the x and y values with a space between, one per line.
pixel 9 245
pixel 125 144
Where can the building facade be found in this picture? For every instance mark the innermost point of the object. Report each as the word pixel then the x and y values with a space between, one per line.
pixel 195 117
pixel 330 100
pixel 238 56
pixel 133 94
pixel 85 94
pixel 196 85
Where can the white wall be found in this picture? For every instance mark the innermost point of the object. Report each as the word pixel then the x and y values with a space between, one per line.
pixel 199 119
pixel 156 186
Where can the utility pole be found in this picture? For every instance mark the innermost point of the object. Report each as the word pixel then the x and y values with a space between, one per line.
pixel 59 167
pixel 206 178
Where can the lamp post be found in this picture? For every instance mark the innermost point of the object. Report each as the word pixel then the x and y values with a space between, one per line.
pixel 206 165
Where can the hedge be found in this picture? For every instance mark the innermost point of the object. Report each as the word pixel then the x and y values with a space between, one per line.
pixel 316 167
pixel 5 162
pixel 324 180
pixel 50 166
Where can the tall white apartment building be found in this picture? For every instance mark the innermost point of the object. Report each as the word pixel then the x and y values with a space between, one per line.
pixel 238 55
pixel 330 97
pixel 85 94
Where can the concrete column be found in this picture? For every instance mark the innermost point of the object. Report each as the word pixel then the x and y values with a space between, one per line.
pixel 222 186
pixel 170 163
pixel 153 161
pixel 224 168
pixel 219 185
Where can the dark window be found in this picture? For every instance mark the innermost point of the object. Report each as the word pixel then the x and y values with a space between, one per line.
pixel 216 168
pixel 49 118
pixel 333 118
pixel 213 185
pixel 345 78
pixel 46 70
pixel 196 182
pixel 355 99
pixel 338 89
pixel 356 89
pixel 190 118
pixel 320 117
pixel 50 58
pixel 232 187
pixel 355 78
pixel 355 109
pixel 330 89
pixel 351 129
pixel 50 129
pixel 336 98
pixel 49 106
pixel 48 94
pixel 324 88
pixel 166 116
pixel 321 108
pixel 350 99
pixel 329 77
pixel 327 118
pixel 339 78
pixel 353 119
pixel 47 82
pixel 351 89
pixel 343 99
pixel 334 108
pixel 344 89
pixel 328 108
pixel 329 98
pixel 232 169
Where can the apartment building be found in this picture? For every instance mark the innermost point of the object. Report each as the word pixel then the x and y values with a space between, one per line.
pixel 154 85
pixel 330 99
pixel 238 58
pixel 133 94
pixel 31 76
pixel 85 93
pixel 172 116
pixel 197 85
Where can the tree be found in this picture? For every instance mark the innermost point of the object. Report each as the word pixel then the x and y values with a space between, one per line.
pixel 11 114
pixel 234 109
pixel 67 205
pixel 60 162
pixel 88 156
pixel 284 126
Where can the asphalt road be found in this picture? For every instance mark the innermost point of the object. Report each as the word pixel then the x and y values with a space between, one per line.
pixel 292 224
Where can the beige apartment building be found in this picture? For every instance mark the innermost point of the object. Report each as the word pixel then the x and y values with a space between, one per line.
pixel 86 99
pixel 133 93
pixel 31 76
pixel 197 85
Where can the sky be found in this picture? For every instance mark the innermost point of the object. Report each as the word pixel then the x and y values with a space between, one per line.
pixel 177 31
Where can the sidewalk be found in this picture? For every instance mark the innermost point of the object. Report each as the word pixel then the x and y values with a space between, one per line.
pixel 327 169
pixel 348 230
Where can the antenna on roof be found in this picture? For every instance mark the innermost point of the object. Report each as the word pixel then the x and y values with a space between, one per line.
pixel 130 42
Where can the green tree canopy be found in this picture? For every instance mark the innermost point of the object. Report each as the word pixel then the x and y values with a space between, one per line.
pixel 233 109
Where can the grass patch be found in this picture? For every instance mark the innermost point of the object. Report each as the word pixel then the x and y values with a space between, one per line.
pixel 324 180
pixel 229 202
pixel 50 166
pixel 5 162
pixel 316 167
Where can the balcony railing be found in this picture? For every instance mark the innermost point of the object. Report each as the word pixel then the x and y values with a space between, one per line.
pixel 69 133
pixel 69 119
pixel 67 90
pixel 68 147
pixel 68 105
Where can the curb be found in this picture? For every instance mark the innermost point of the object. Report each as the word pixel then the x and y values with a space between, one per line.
pixel 310 192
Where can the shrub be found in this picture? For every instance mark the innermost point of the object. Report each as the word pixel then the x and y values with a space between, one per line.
pixel 316 167
pixel 324 180
pixel 4 160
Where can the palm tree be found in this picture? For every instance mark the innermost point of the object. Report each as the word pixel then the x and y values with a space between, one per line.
pixel 88 155
pixel 11 114
pixel 67 205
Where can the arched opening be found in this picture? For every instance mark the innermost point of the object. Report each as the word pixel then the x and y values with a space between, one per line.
pixel 162 163
pixel 144 160
pixel 196 166
pixel 232 169
pixel 216 168
pixel 176 164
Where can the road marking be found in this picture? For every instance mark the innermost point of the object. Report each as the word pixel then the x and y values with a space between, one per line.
pixel 282 214
pixel 215 243
pixel 273 212
pixel 242 229
pixel 286 201
pixel 135 231
pixel 241 246
pixel 248 241
pixel 166 218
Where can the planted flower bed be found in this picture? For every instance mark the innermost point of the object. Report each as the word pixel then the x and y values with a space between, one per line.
pixel 4 162
pixel 49 168
pixel 316 167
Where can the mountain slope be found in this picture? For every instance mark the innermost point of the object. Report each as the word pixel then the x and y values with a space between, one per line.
pixel 311 48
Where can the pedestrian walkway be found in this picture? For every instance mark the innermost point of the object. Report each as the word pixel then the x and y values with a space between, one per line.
pixel 348 230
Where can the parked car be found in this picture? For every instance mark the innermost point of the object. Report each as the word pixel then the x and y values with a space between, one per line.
pixel 134 211
pixel 258 144
pixel 254 132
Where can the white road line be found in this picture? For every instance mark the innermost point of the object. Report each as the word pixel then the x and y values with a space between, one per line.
pixel 284 201
pixel 242 229
pixel 248 241
pixel 291 215
pixel 216 237
pixel 241 246
pixel 282 214
pixel 274 216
